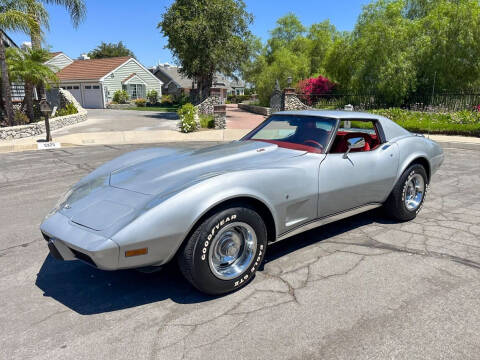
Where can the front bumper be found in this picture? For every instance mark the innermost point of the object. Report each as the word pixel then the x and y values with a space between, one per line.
pixel 69 241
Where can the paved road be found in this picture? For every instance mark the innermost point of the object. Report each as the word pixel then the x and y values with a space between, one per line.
pixel 102 120
pixel 363 288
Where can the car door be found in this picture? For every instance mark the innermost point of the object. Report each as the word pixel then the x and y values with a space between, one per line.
pixel 360 178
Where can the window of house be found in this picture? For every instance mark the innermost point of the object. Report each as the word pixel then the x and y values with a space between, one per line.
pixel 88 86
pixel 135 91
pixel 355 128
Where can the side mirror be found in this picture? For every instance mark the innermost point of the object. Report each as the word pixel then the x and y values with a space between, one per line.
pixel 354 143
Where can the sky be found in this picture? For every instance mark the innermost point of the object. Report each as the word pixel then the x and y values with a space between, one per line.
pixel 135 23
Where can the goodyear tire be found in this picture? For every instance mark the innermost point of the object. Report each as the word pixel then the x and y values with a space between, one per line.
pixel 224 251
pixel 408 195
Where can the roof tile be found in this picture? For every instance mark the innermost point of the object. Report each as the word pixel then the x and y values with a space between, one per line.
pixel 92 69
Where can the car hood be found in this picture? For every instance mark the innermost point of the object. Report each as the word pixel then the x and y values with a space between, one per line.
pixel 175 170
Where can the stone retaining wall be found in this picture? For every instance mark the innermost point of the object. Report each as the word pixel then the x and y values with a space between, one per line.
pixel 120 106
pixel 207 105
pixel 265 111
pixel 21 131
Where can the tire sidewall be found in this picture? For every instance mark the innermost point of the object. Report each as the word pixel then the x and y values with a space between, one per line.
pixel 409 173
pixel 203 276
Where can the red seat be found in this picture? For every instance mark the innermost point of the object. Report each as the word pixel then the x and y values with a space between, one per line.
pixel 340 144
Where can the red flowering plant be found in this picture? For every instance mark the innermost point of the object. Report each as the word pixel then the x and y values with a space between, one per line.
pixel 312 88
pixel 477 108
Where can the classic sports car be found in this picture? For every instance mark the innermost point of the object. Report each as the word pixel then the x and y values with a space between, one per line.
pixel 216 209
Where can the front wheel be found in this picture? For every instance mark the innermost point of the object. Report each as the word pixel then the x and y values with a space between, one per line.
pixel 224 251
pixel 408 195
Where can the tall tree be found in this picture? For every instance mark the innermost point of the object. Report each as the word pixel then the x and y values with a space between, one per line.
pixel 108 50
pixel 77 11
pixel 14 16
pixel 29 66
pixel 207 36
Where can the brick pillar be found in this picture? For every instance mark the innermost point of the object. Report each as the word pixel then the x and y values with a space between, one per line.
pixel 220 116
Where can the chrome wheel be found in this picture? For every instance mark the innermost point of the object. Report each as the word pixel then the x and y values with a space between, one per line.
pixel 232 250
pixel 413 192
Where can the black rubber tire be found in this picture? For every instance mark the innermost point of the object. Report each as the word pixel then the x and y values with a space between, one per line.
pixel 395 204
pixel 193 259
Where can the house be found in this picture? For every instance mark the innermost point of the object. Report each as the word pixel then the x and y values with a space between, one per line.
pixel 58 60
pixel 17 89
pixel 237 87
pixel 174 83
pixel 93 82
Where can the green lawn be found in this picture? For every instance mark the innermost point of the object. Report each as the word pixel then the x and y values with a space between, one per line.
pixel 172 108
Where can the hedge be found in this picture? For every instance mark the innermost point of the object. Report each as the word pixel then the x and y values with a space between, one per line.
pixel 466 123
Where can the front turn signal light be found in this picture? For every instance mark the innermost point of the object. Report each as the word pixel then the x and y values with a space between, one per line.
pixel 136 252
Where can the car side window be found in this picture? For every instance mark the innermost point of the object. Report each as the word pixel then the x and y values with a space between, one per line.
pixel 356 128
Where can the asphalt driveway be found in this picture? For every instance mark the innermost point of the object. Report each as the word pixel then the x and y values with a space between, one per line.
pixel 106 120
pixel 362 288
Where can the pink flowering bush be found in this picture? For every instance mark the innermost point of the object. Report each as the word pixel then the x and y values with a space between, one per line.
pixel 311 87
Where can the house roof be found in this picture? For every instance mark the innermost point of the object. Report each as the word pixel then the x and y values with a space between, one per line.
pixel 129 77
pixel 93 69
pixel 173 73
pixel 53 54
pixel 7 39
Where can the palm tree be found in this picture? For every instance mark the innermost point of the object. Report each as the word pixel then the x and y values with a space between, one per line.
pixel 77 11
pixel 14 17
pixel 29 66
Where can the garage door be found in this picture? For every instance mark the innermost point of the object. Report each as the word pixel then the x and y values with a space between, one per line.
pixel 75 91
pixel 92 96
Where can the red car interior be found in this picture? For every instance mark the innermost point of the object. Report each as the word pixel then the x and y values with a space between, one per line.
pixel 340 145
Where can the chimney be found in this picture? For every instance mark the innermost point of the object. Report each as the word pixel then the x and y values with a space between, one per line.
pixel 83 57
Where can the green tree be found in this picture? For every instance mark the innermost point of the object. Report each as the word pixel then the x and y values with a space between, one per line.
pixel 449 50
pixel 207 36
pixel 77 11
pixel 291 51
pixel 108 50
pixel 29 66
pixel 322 37
pixel 288 28
pixel 14 16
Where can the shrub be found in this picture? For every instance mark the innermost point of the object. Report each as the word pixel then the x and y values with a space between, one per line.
pixel 69 109
pixel 167 99
pixel 187 118
pixel 314 86
pixel 182 99
pixel 152 97
pixel 120 97
pixel 141 102
pixel 235 99
pixel 20 118
pixel 207 122
pixel 455 123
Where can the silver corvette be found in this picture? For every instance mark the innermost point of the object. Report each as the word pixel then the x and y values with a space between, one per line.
pixel 216 210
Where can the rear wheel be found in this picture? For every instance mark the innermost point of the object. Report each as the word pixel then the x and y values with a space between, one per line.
pixel 408 195
pixel 224 251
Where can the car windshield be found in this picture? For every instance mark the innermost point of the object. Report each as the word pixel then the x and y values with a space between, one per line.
pixel 305 133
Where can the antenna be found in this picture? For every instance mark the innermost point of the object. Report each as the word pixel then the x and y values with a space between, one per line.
pixel 431 101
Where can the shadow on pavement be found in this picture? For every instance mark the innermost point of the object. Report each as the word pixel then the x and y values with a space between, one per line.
pixel 88 291
pixel 163 116
pixel 322 233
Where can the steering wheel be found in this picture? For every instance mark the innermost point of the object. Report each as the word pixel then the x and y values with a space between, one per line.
pixel 315 143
